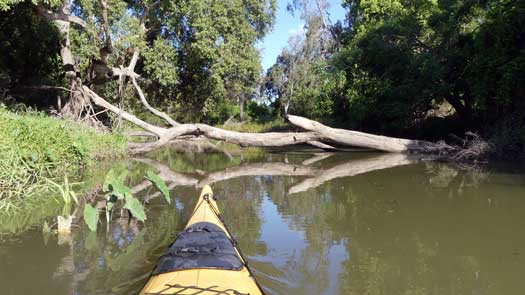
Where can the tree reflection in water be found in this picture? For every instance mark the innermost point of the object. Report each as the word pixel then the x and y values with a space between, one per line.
pixel 321 224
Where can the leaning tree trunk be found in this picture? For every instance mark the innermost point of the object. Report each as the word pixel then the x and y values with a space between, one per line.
pixel 62 19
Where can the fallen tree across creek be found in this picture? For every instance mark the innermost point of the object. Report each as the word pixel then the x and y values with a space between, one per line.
pixel 316 134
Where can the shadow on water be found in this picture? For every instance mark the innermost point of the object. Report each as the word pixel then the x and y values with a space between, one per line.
pixel 353 223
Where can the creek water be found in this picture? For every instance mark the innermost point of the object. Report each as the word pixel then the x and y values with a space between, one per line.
pixel 352 223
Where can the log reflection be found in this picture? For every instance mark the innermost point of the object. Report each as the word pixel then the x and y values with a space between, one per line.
pixel 315 175
pixel 351 168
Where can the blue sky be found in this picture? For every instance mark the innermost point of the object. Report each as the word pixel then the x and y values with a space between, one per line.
pixel 285 26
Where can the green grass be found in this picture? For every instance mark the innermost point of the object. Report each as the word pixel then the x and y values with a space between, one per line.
pixel 36 146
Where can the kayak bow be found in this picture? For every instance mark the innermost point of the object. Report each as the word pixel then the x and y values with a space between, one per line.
pixel 204 259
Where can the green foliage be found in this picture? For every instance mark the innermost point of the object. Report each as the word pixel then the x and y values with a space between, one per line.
pixel 65 191
pixel 403 59
pixel 114 184
pixel 259 112
pixel 29 53
pixel 35 146
pixel 135 208
pixel 8 4
pixel 194 55
pixel 91 216
pixel 295 81
pixel 218 111
pixel 160 63
pixel 160 184
pixel 117 192
pixel 275 125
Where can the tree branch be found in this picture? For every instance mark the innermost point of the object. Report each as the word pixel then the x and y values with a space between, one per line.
pixel 52 16
pixel 105 24
pixel 149 107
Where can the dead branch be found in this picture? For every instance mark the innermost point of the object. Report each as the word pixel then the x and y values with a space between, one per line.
pixel 316 176
pixel 149 107
pixel 316 158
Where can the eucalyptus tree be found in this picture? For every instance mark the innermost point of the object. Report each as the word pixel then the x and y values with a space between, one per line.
pixel 295 80
pixel 191 54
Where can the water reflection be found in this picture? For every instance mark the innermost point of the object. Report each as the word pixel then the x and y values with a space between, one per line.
pixel 309 224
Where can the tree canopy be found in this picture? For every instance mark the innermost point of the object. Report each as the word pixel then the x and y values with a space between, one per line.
pixel 192 56
pixel 419 68
pixel 398 64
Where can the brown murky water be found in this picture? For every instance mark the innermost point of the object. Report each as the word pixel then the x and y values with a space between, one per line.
pixel 354 223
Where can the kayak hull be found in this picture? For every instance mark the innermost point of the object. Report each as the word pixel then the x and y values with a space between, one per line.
pixel 204 280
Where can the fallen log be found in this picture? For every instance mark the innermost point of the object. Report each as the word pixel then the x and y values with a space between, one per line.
pixel 361 139
pixel 316 134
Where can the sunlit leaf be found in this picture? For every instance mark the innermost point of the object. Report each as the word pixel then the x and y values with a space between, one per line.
pixel 91 216
pixel 135 207
pixel 160 184
pixel 112 177
pixel 119 190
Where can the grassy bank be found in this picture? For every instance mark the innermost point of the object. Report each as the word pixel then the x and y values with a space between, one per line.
pixel 36 147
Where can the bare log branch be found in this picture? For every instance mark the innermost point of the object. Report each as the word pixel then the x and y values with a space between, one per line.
pixel 159 132
pixel 140 133
pixel 316 158
pixel 317 176
pixel 168 175
pixel 149 107
pixel 317 135
pixel 257 169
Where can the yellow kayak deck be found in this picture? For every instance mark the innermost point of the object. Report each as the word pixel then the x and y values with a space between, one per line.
pixel 191 268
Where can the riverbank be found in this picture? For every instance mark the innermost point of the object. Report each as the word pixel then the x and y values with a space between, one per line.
pixel 37 148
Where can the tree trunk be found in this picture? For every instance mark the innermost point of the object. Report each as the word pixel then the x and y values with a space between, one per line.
pixel 62 20
pixel 361 139
pixel 241 109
